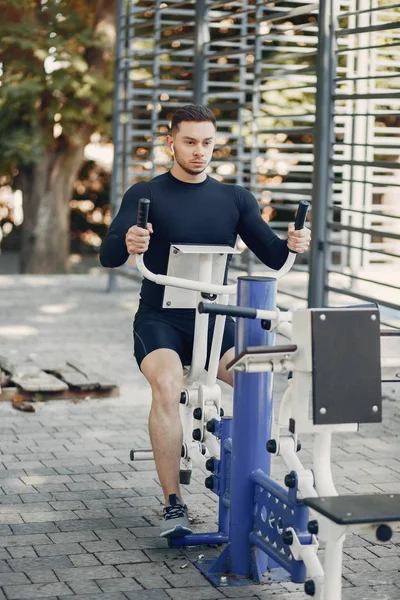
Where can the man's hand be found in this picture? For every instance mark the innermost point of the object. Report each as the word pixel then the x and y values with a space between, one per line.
pixel 137 239
pixel 298 239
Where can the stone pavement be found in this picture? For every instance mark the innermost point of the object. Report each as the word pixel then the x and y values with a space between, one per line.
pixel 79 521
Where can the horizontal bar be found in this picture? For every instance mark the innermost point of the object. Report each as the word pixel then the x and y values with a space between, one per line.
pixel 297 130
pixel 391 166
pixel 365 212
pixel 311 40
pixel 283 14
pixel 358 278
pixel 377 146
pixel 289 55
pixel 287 146
pixel 173 38
pixel 346 292
pixel 340 245
pixel 355 49
pixel 310 79
pixel 251 10
pixel 171 9
pixel 288 69
pixel 367 10
pixel 218 3
pixel 258 477
pixel 389 324
pixel 376 76
pixel 371 96
pixel 304 87
pixel 370 29
pixel 211 55
pixel 386 113
pixel 376 232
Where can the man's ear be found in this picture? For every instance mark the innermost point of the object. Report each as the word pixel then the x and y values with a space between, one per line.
pixel 170 143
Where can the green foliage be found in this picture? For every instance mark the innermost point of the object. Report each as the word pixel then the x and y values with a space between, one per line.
pixel 56 66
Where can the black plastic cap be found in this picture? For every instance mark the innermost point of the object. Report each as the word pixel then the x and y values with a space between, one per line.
pixel 287 538
pixel 132 455
pixel 183 398
pixel 210 464
pixel 271 446
pixel 210 426
pixel 197 413
pixel 313 527
pixel 290 480
pixel 209 482
pixel 196 435
pixel 210 297
pixel 266 324
pixel 221 412
pixel 309 587
pixel 384 533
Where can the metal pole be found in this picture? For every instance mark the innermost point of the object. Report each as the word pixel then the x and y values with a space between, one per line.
pixel 116 127
pixel 202 37
pixel 323 148
pixel 256 114
pixel 156 88
pixel 251 428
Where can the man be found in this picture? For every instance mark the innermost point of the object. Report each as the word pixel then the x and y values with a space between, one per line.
pixel 186 206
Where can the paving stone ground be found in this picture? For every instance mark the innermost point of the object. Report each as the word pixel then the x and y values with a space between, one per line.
pixel 78 520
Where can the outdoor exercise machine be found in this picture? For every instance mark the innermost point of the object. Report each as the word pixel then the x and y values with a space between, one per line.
pixel 197 273
pixel 336 360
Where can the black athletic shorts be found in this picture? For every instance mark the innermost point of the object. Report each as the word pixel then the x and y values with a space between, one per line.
pixel 174 329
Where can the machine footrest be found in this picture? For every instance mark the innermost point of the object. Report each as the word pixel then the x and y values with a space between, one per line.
pixel 353 510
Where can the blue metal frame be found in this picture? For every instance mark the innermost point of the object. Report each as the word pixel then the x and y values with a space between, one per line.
pixel 254 510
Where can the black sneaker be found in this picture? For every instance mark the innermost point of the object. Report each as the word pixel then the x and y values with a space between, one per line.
pixel 175 521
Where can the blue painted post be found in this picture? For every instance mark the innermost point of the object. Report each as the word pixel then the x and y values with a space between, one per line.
pixel 251 427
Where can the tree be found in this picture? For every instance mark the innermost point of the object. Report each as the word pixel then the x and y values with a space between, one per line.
pixel 56 90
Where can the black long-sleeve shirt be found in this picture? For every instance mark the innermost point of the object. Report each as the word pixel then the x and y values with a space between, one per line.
pixel 209 212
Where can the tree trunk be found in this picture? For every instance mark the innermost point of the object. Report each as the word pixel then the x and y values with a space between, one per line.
pixel 47 190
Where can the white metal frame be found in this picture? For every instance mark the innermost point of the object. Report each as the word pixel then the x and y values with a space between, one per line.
pixel 317 481
pixel 206 396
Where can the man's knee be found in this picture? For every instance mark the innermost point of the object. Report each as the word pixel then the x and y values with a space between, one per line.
pixel 163 370
pixel 166 387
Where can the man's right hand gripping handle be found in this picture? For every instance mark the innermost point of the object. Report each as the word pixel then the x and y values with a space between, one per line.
pixel 138 237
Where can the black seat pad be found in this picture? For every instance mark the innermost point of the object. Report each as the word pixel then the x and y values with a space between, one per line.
pixel 353 509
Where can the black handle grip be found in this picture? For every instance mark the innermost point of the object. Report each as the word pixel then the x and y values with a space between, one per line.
pixel 143 213
pixel 301 214
pixel 224 309
pixel 300 217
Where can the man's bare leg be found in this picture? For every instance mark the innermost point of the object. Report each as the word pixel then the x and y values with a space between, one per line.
pixel 223 374
pixel 163 370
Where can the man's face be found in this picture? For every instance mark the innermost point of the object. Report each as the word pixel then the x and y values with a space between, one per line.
pixel 193 145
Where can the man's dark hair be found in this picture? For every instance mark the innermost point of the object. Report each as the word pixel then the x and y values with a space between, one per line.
pixel 192 112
